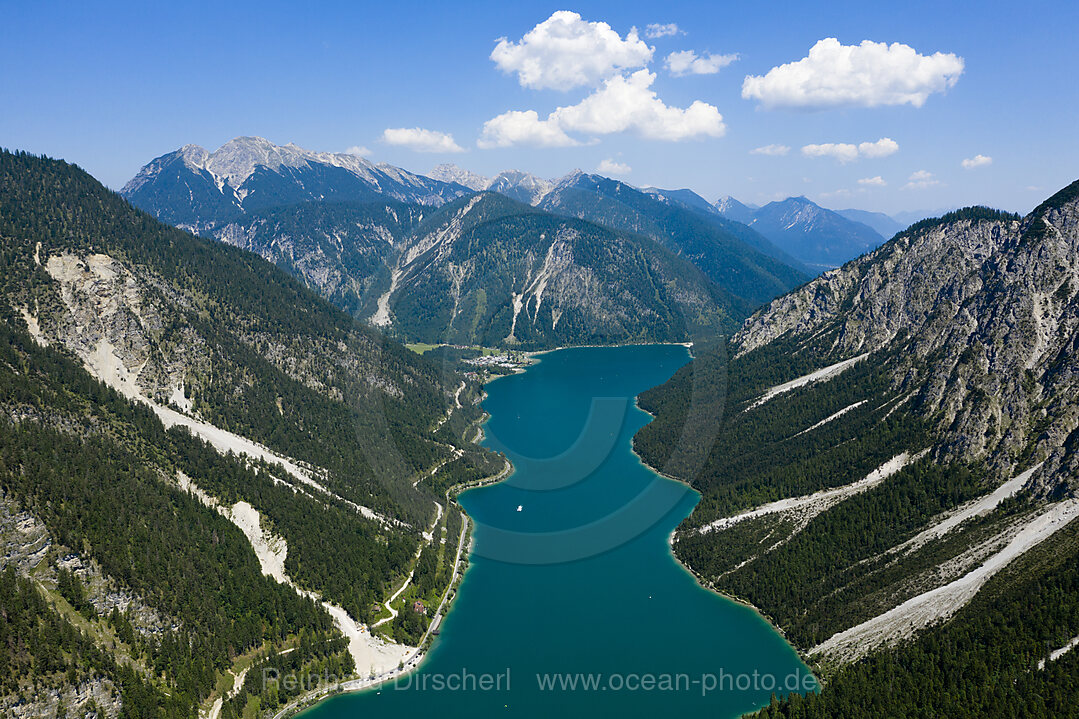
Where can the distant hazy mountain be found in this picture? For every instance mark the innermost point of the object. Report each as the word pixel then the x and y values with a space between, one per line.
pixel 556 196
pixel 463 273
pixel 819 237
pixel 732 209
pixel 734 256
pixel 885 225
pixel 689 198
pixel 521 186
pixel 196 189
pixel 355 232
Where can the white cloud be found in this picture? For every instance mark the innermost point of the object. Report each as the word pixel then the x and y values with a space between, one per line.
pixel 841 151
pixel 622 104
pixel 564 52
pixel 629 103
pixel 881 148
pixel 612 167
pixel 845 152
pixel 523 127
pixel 687 62
pixel 420 140
pixel 657 30
pixel 920 180
pixel 866 75
pixel 977 161
pixel 771 150
pixel 877 181
pixel 360 150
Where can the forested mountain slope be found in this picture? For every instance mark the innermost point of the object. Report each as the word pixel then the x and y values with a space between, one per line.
pixel 341 249
pixel 349 234
pixel 204 466
pixel 488 270
pixel 452 274
pixel 894 447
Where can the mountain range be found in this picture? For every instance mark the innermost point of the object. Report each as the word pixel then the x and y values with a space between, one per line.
pixel 885 225
pixel 818 237
pixel 653 266
pixel 212 464
pixel 796 231
pixel 195 189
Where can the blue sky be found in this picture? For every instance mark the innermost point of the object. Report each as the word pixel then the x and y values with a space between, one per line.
pixel 111 86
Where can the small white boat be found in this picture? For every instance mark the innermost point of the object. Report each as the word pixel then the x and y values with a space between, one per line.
pixel 520 507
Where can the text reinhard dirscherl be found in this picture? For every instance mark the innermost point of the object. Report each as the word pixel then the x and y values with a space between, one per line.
pixel 464 680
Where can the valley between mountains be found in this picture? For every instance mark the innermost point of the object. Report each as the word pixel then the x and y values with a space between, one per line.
pixel 217 456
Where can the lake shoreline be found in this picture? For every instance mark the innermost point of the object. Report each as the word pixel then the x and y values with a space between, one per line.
pixel 414 661
pixel 699 579
pixel 417 661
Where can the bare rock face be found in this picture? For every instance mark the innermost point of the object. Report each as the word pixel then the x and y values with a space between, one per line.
pixel 891 289
pixel 95 697
pixel 984 306
pixel 114 321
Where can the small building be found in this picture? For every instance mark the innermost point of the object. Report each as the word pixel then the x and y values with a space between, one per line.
pixel 417 606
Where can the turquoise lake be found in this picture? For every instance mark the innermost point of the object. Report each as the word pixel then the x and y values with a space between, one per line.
pixel 580 581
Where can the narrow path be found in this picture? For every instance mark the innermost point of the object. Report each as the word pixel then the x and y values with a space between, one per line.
pixel 449 413
pixel 365 649
pixel 437 619
pixel 428 536
pixel 413 660
pixel 408 664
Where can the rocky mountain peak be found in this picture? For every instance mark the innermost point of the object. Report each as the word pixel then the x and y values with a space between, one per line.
pixel 449 172
pixel 732 209
pixel 522 186
pixel 199 190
